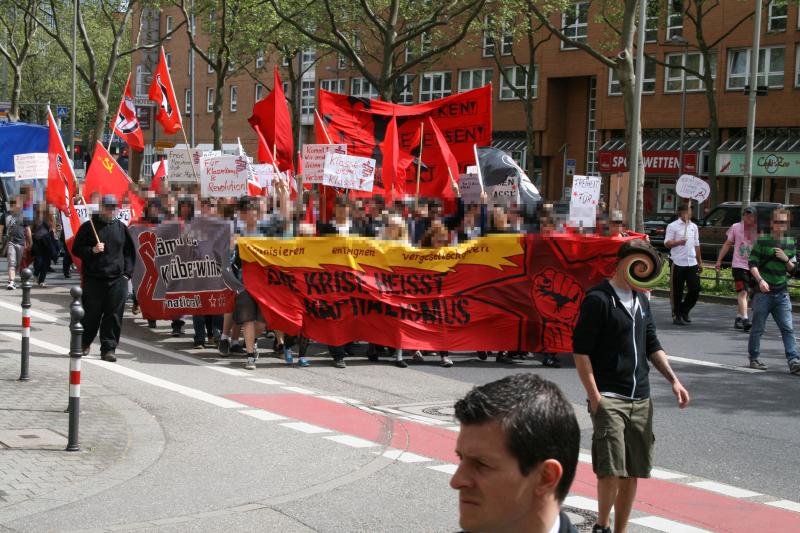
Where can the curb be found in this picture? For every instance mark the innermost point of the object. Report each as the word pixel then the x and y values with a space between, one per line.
pixel 714 299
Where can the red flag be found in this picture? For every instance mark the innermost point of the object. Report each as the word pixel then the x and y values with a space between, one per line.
pixel 159 181
pixel 105 176
pixel 60 178
pixel 162 93
pixel 447 155
pixel 310 218
pixel 321 130
pixel 137 207
pixel 272 115
pixel 391 162
pixel 126 125
pixel 264 153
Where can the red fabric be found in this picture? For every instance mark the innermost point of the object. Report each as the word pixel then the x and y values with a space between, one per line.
pixel 60 178
pixel 449 159
pixel 125 124
pixel 254 189
pixel 321 130
pixel 168 113
pixel 310 218
pixel 264 152
pixel 157 184
pixel 271 115
pixel 137 207
pixel 105 176
pixel 391 163
pixel 465 119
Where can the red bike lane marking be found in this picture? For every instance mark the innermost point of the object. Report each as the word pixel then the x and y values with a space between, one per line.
pixel 670 500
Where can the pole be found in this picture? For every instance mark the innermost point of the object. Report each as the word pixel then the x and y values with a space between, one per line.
pixel 191 155
pixel 324 129
pixel 636 126
pixel 683 126
pixel 564 169
pixel 751 107
pixel 419 161
pixel 75 354
pixel 191 81
pixel 27 284
pixel 75 5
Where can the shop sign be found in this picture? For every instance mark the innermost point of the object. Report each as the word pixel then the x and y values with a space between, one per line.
pixel 658 162
pixel 767 164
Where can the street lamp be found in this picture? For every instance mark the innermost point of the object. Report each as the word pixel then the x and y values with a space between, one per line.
pixel 678 40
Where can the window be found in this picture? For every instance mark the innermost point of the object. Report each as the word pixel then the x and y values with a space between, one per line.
pixel 648 82
pixel 285 61
pixel 425 43
pixel 260 59
pixel 168 57
pixel 507 45
pixel 212 59
pixel 168 26
pixel 334 86
pixel 187 99
pixel 234 98
pixel 362 88
pixel 356 42
pixel 474 78
pixel 308 58
pixel 434 85
pixel 259 92
pixel 142 81
pixel 341 62
pixel 770 68
pixel 307 97
pixel 506 42
pixel 777 16
pixel 403 89
pixel 517 75
pixel 408 53
pixel 674 22
pixel 676 76
pixel 651 23
pixel 209 100
pixel 575 23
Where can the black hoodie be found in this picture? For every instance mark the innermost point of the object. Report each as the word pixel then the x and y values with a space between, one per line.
pixel 618 345
pixel 119 255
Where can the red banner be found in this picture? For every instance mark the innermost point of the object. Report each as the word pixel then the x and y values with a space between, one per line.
pixel 501 292
pixel 465 119
pixel 664 162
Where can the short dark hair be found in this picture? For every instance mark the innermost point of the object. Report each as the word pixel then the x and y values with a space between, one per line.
pixel 683 207
pixel 538 421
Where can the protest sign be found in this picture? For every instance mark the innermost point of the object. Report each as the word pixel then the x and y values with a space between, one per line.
pixel 263 174
pixel 500 292
pixel 30 166
pixel 470 187
pixel 314 160
pixel 180 163
pixel 692 187
pixel 584 196
pixel 504 193
pixel 223 176
pixel 84 211
pixel 184 269
pixel 349 172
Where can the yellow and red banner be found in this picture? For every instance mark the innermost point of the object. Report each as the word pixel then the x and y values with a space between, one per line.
pixel 500 292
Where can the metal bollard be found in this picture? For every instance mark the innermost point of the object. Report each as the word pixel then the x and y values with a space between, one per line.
pixel 27 285
pixel 75 354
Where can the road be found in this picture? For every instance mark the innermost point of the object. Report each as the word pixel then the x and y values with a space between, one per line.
pixel 370 447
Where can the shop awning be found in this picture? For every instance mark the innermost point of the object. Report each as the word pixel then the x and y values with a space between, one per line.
pixel 776 141
pixel 509 142
pixel 658 144
pixel 776 154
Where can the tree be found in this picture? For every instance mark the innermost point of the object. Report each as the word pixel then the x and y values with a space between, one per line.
pixel 18 45
pixel 234 29
pixel 382 40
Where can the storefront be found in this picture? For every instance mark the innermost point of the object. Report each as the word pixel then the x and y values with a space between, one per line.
pixel 662 168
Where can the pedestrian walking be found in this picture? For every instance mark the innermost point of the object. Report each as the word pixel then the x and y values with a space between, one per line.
pixel 740 238
pixel 16 237
pixel 615 342
pixel 518 448
pixel 771 260
pixel 107 255
pixel 683 241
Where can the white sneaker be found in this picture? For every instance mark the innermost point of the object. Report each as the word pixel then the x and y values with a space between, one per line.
pixel 11 286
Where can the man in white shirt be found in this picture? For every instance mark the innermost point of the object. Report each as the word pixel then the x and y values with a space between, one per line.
pixel 682 239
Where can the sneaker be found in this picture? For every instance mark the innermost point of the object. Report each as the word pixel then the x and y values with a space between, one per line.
pixel 678 321
pixel 738 323
pixel 11 286
pixel 288 356
pixel 212 342
pixel 151 324
pixel 551 361
pixel 445 362
pixel 504 358
pixel 757 365
pixel 86 349
pixel 42 285
pixel 303 362
pixel 685 317
pixel 417 357
pixel 251 362
pixel 339 363
pixel 198 345
pixel 224 346
pixel 399 363
pixel 483 355
pixel 237 349
pixel 794 367
pixel 177 329
pixel 746 324
pixel 108 356
pixel 135 309
pixel 601 529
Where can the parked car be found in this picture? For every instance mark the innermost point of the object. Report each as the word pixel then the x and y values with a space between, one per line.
pixel 655 230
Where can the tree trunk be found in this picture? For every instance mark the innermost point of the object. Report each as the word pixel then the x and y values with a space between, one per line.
pixel 16 91
pixel 216 127
pixel 100 117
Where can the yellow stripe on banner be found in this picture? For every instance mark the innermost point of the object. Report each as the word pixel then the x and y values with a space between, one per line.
pixel 358 252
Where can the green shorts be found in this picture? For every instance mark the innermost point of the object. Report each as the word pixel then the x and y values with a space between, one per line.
pixel 622 442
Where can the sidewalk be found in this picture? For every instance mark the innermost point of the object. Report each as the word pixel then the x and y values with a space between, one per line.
pixel 118 438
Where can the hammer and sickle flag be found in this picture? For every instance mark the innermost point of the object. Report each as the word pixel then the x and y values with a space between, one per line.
pixel 163 94
pixel 105 176
pixel 126 124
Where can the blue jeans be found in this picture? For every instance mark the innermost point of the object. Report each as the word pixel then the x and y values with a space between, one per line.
pixel 778 304
pixel 211 325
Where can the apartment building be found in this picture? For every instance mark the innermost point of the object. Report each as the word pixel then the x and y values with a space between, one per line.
pixel 578 108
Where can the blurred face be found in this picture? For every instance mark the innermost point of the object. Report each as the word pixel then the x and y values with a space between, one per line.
pixel 440 238
pixel 493 495
pixel 251 217
pixel 749 219
pixel 341 213
pixel 106 212
pixel 686 215
pixel 780 224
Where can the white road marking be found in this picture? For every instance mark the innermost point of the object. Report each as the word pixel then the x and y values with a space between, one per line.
pixel 457 429
pixel 299 390
pixel 700 362
pixel 305 428
pixel 727 490
pixel 786 504
pixel 585 458
pixel 184 358
pixel 34 313
pixel 404 456
pixel 55 348
pixel 666 475
pixel 670 526
pixel 424 420
pixel 263 415
pixel 266 381
pixel 580 502
pixel 447 469
pixel 353 442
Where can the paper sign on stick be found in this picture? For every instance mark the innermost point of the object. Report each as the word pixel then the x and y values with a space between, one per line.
pixel 584 195
pixel 180 163
pixel 30 166
pixel 692 187
pixel 263 174
pixel 349 172
pixel 470 187
pixel 223 176
pixel 314 160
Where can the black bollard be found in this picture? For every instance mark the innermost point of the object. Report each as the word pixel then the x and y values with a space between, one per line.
pixel 75 354
pixel 27 285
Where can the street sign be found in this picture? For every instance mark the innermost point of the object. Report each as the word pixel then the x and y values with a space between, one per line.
pixel 142 101
pixel 62 111
pixel 571 164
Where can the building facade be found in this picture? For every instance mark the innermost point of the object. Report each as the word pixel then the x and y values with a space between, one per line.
pixel 577 107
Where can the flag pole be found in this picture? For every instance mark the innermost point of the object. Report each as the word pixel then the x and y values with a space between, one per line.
pixel 419 161
pixel 91 223
pixel 478 166
pixel 191 155
pixel 324 129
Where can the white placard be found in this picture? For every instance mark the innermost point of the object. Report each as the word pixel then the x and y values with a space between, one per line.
pixel 124 215
pixel 349 172
pixel 30 166
pixel 584 195
pixel 692 187
pixel 180 165
pixel 84 211
pixel 223 176
pixel 470 187
pixel 314 160
pixel 263 175
pixel 504 193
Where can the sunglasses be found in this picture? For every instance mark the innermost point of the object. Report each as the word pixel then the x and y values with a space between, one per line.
pixel 781 222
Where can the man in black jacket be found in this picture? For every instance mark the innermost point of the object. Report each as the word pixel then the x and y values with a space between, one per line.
pixel 107 261
pixel 613 341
